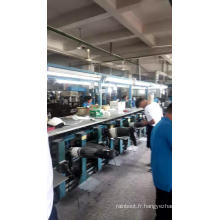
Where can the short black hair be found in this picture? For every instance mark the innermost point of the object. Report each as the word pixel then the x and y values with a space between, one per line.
pixel 138 102
pixel 169 109
pixel 124 96
pixel 88 98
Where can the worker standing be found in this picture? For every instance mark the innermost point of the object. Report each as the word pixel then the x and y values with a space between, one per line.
pixel 161 164
pixel 153 114
pixel 88 102
pixel 52 212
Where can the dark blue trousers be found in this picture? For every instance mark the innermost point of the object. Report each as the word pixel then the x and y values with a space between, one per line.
pixel 149 130
pixel 53 215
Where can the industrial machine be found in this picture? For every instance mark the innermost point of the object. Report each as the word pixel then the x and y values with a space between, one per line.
pixel 77 155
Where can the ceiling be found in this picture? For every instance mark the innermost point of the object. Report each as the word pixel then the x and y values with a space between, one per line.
pixel 138 30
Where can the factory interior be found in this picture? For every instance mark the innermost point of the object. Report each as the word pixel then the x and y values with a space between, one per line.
pixel 87 128
pixel 102 56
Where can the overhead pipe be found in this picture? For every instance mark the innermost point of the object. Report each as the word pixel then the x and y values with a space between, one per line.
pixel 85 43
pixel 146 55
pixel 81 59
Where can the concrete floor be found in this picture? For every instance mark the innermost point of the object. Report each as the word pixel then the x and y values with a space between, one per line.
pixel 130 184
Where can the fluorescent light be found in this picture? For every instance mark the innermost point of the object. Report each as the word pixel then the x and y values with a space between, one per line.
pixel 159 86
pixel 164 86
pixel 122 86
pixel 96 84
pixel 72 74
pixel 138 87
pixel 141 91
pixel 109 90
pixel 109 85
pixel 118 80
pixel 154 86
pixel 78 76
pixel 73 82
pixel 142 83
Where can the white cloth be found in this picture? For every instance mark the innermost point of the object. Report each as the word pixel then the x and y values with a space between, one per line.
pixel 49 183
pixel 153 111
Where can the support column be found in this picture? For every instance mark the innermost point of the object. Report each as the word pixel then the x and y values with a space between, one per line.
pixel 157 75
pixel 130 96
pixel 82 136
pixel 100 94
pixel 61 157
pixel 146 92
pixel 139 69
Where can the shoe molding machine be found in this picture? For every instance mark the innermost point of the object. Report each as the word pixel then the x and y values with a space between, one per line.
pixel 78 153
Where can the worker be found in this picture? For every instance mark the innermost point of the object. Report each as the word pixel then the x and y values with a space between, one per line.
pixel 126 100
pixel 161 164
pixel 153 113
pixel 52 212
pixel 156 100
pixel 88 102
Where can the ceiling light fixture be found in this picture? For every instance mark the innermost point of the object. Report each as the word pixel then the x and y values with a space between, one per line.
pixel 122 86
pixel 60 81
pixel 142 83
pixel 123 66
pixel 118 80
pixel 54 72
pixel 109 85
pixel 88 55
pixel 138 87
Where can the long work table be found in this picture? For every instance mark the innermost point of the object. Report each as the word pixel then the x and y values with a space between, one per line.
pixel 72 125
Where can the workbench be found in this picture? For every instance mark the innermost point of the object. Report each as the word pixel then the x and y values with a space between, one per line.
pixel 61 137
pixel 73 125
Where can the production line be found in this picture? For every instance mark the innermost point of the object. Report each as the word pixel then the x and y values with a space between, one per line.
pixel 73 125
pixel 82 148
pixel 88 135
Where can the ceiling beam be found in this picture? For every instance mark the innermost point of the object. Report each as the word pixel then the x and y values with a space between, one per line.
pixel 85 21
pixel 166 40
pixel 123 3
pixel 155 51
pixel 127 5
pixel 79 17
pixel 158 27
pixel 111 37
pixel 106 38
pixel 127 19
pixel 130 48
pixel 54 44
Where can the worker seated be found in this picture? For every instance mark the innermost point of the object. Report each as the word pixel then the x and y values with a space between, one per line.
pixel 88 102
pixel 126 100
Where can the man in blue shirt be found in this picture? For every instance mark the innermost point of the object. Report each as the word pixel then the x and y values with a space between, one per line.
pixel 88 102
pixel 161 163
